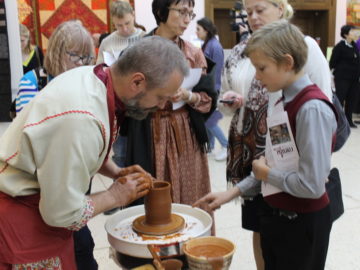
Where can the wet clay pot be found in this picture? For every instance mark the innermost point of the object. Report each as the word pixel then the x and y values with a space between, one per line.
pixel 158 204
pixel 158 219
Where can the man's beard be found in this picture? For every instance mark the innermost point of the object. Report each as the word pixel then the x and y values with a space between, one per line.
pixel 134 110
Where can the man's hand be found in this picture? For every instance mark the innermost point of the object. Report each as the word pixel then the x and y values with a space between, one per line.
pixel 213 201
pixel 111 170
pixel 131 183
pixel 130 187
pixel 260 169
pixel 129 170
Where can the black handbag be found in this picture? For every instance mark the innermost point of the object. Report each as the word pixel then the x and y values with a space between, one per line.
pixel 333 189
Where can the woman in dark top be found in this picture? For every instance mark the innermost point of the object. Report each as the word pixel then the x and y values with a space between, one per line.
pixel 345 65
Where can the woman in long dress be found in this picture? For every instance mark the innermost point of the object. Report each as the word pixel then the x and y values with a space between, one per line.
pixel 171 144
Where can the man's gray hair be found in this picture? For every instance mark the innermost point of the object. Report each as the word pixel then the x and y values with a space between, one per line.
pixel 155 57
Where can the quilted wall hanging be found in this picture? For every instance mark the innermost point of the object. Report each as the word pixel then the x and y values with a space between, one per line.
pixel 43 16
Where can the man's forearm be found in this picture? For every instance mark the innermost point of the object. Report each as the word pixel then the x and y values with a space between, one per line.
pixel 102 201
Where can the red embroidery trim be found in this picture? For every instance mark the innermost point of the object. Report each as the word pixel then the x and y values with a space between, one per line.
pixel 103 130
pixel 6 162
pixel 4 168
pixel 87 214
pixel 64 113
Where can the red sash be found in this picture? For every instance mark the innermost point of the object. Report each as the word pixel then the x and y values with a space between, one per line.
pixel 26 238
pixel 115 107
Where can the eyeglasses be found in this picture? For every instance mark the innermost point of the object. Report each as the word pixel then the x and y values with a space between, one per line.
pixel 183 13
pixel 75 58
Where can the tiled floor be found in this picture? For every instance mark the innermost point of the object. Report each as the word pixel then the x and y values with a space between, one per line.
pixel 344 249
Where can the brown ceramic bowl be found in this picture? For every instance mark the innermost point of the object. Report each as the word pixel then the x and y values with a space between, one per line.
pixel 208 253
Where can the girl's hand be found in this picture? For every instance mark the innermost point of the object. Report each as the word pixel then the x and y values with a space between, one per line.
pixel 213 201
pixel 237 99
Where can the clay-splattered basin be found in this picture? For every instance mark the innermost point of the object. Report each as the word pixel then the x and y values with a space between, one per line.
pixel 123 239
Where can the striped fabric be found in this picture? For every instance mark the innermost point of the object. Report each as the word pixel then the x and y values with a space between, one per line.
pixel 28 89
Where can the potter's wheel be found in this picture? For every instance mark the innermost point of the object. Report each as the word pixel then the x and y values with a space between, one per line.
pixel 125 240
pixel 176 224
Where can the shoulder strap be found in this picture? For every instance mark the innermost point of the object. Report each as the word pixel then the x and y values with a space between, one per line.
pixel 37 56
pixel 37 73
pixel 309 93
pixel 41 80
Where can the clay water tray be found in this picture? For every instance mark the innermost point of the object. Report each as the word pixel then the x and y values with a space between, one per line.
pixel 124 239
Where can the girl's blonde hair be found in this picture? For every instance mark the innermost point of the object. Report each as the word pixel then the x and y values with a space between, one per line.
pixel 69 36
pixel 288 10
pixel 24 32
pixel 276 40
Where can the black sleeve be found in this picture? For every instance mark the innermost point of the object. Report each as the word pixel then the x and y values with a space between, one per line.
pixel 335 56
pixel 41 56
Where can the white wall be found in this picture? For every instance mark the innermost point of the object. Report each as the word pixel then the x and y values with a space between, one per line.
pixel 340 18
pixel 144 14
pixel 14 44
pixel 145 17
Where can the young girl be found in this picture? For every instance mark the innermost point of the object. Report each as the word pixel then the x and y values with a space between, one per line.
pixel 32 56
pixel 206 31
pixel 295 222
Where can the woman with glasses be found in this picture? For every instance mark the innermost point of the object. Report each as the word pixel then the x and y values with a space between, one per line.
pixel 175 140
pixel 70 46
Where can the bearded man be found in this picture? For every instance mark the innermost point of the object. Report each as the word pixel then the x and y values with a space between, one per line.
pixel 62 138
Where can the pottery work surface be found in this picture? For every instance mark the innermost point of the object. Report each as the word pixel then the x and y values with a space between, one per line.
pixel 175 225
pixel 124 231
pixel 125 240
